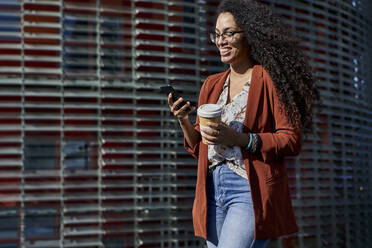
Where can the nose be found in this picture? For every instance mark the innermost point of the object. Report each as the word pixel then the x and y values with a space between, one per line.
pixel 220 40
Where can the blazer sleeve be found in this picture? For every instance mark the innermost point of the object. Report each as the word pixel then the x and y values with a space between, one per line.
pixel 194 151
pixel 285 140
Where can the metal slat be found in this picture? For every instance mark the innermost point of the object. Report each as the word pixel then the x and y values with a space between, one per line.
pixel 108 69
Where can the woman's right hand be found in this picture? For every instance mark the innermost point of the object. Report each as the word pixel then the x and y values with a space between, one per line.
pixel 181 113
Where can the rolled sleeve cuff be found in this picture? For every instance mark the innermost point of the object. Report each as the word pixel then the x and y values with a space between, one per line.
pixel 194 151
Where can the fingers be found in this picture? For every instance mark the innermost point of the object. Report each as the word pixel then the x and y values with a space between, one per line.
pixel 210 131
pixel 176 104
pixel 213 125
pixel 210 135
pixel 180 112
pixel 216 133
pixel 170 101
pixel 184 107
pixel 208 139
pixel 173 104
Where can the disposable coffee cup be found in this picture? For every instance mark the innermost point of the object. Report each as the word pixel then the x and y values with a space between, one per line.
pixel 209 113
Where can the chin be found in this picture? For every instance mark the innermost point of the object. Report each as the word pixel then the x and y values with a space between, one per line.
pixel 227 60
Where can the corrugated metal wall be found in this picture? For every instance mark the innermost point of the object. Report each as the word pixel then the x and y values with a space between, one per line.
pixel 332 187
pixel 91 157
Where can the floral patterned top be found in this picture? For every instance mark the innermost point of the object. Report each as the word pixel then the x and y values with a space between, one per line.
pixel 233 115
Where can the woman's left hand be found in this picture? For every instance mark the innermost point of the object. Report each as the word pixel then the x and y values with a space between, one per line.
pixel 218 134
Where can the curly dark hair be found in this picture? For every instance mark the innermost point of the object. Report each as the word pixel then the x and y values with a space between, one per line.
pixel 272 45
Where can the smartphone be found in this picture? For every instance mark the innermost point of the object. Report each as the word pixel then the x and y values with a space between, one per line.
pixel 175 96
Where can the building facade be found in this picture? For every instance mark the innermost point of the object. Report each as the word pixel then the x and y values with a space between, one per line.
pixel 91 157
pixel 331 187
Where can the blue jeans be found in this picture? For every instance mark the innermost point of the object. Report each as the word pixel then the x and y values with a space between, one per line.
pixel 230 211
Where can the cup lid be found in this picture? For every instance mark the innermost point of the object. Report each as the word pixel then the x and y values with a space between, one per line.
pixel 210 110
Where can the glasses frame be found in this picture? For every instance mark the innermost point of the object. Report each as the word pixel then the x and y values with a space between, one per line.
pixel 225 35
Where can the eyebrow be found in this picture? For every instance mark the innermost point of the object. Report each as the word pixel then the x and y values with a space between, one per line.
pixel 223 30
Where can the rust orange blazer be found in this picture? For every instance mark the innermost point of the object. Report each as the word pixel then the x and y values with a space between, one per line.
pixel 266 171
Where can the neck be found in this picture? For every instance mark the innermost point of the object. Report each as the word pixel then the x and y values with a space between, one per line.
pixel 241 69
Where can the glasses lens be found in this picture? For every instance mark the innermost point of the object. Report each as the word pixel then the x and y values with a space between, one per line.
pixel 212 36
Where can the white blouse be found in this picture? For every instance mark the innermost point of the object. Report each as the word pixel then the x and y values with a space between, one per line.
pixel 233 115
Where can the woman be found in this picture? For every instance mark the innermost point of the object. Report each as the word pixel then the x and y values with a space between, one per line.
pixel 242 197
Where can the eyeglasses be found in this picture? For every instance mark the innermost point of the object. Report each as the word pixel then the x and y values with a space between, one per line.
pixel 227 35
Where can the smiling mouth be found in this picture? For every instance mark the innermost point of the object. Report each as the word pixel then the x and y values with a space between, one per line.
pixel 225 52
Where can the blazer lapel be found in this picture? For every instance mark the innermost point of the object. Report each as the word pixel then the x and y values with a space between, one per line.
pixel 254 95
pixel 217 88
